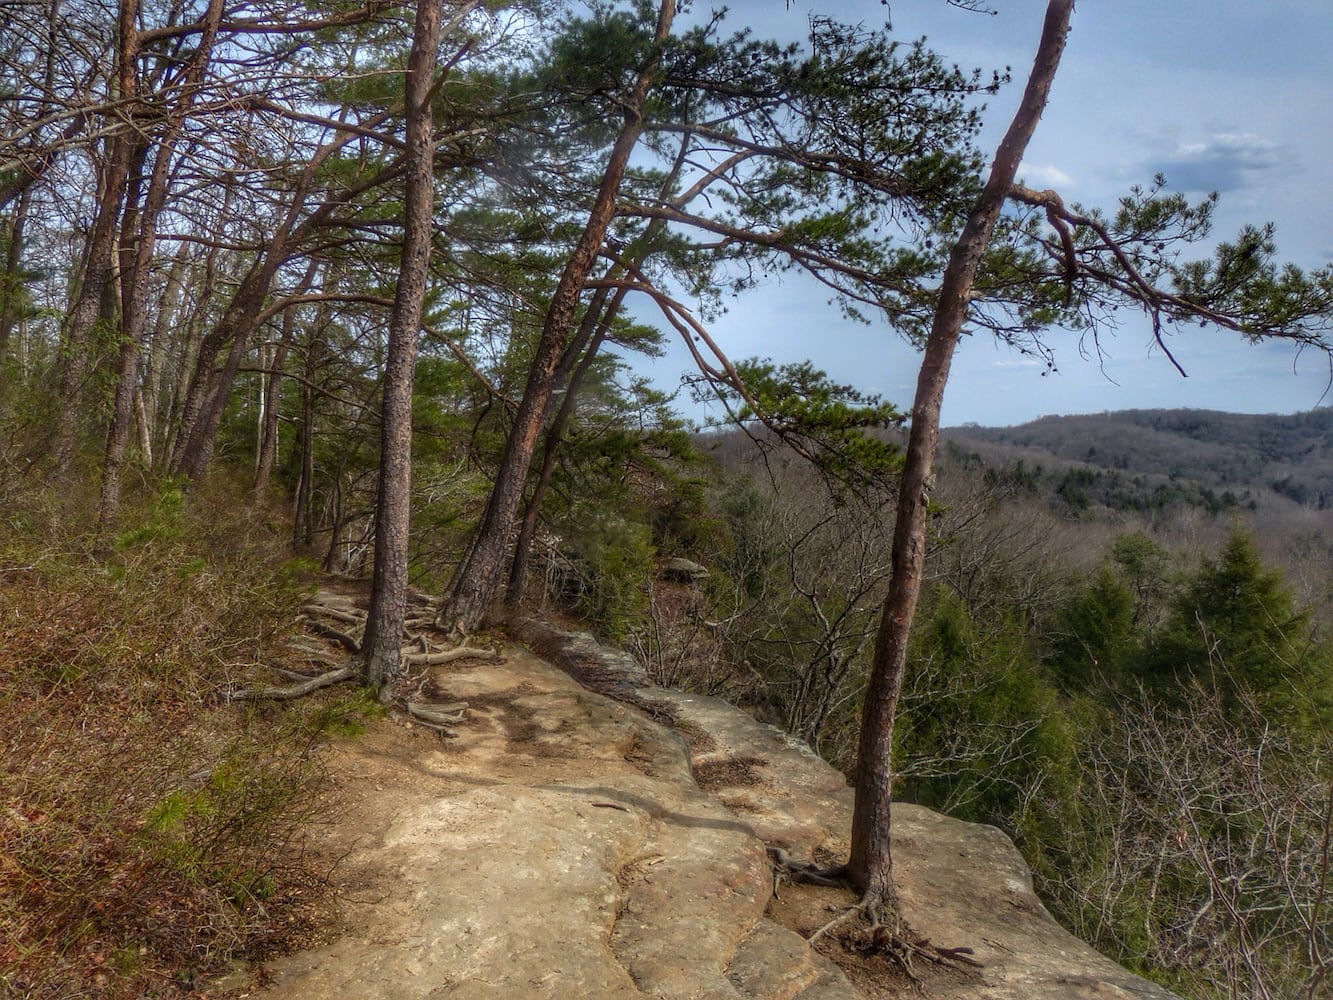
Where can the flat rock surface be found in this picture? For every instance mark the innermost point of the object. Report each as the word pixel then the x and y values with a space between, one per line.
pixel 556 843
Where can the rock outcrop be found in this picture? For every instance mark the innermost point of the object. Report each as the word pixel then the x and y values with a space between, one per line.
pixel 583 834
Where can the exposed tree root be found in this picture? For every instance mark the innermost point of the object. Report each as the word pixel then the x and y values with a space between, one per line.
pixel 337 614
pixel 450 655
pixel 295 690
pixel 841 918
pixel 350 643
pixel 806 873
pixel 872 924
pixel 437 717
pixel 419 651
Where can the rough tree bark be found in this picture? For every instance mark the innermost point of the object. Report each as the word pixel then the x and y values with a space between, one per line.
pixel 518 570
pixel 870 866
pixel 481 574
pixel 381 662
pixel 574 367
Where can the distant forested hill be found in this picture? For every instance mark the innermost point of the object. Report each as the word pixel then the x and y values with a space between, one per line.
pixel 1145 459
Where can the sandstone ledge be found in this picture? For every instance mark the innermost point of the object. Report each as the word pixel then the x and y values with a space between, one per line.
pixel 556 844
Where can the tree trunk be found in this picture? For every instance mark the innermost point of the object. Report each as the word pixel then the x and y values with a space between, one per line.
pixel 135 152
pixel 870 865
pixel 303 529
pixel 134 271
pixel 154 377
pixel 206 397
pixel 268 431
pixel 10 280
pixel 598 317
pixel 381 663
pixel 480 575
pixel 518 571
pixel 99 265
pixel 135 251
pixel 186 345
pixel 266 453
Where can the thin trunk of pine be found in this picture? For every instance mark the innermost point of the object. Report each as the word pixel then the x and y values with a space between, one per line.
pixel 187 343
pixel 267 447
pixel 303 529
pixel 597 323
pixel 518 571
pixel 479 578
pixel 154 376
pixel 870 866
pixel 206 398
pixel 92 302
pixel 76 339
pixel 382 663
pixel 268 436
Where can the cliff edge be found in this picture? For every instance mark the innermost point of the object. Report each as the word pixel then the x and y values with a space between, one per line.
pixel 581 833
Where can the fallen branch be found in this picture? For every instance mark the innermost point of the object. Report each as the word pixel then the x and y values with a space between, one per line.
pixel 449 655
pixel 294 691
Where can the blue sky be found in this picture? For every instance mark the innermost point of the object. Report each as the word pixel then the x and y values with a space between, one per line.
pixel 1219 95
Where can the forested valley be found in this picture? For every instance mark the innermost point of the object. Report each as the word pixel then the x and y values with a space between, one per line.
pixel 337 291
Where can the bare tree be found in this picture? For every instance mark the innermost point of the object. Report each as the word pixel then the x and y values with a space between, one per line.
pixel 1204 848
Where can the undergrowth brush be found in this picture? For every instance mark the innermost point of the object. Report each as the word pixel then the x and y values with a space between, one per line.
pixel 149 834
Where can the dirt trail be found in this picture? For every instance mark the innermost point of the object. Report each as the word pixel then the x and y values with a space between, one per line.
pixel 556 843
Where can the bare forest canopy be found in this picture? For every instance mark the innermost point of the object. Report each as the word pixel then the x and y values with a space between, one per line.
pixel 1140 458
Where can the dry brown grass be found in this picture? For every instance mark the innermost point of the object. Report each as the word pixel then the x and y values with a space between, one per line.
pixel 147 835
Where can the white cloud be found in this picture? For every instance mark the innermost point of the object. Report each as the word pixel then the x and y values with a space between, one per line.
pixel 1044 175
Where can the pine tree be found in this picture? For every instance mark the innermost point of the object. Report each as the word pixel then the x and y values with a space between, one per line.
pixel 1235 627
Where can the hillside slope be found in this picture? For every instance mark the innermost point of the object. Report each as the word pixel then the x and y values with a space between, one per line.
pixel 1252 460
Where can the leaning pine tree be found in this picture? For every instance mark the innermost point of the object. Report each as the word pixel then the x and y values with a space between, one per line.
pixel 1086 260
pixel 870 865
